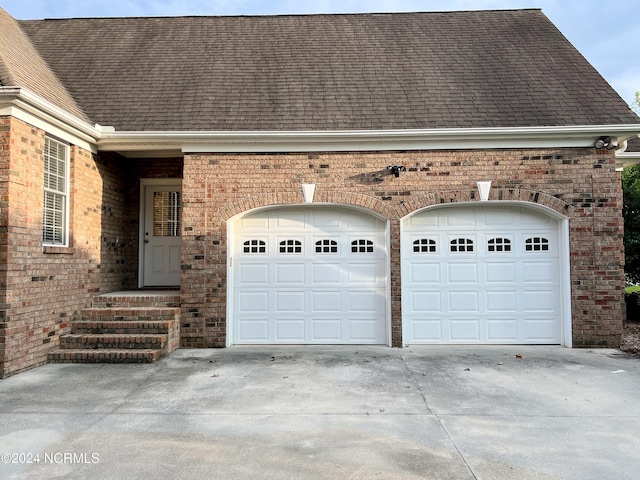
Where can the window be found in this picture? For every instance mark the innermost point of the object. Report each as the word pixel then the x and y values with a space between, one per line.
pixel 462 245
pixel 536 244
pixel 326 246
pixel 499 245
pixel 362 246
pixel 56 179
pixel 254 246
pixel 166 214
pixel 424 245
pixel 290 246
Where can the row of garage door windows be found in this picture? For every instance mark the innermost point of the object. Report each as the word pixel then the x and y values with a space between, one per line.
pixel 422 245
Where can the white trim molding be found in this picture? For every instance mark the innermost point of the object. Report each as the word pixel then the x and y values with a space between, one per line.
pixel 354 140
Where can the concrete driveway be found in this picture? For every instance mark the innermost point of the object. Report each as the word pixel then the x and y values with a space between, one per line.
pixel 329 413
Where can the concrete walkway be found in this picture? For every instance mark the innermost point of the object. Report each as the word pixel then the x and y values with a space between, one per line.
pixel 329 413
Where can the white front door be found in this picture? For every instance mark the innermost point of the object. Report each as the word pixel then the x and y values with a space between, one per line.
pixel 484 274
pixel 161 234
pixel 309 275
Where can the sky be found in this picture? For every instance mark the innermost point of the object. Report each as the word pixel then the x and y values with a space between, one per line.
pixel 607 33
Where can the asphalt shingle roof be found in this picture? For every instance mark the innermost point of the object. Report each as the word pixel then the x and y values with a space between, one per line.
pixel 21 65
pixel 508 68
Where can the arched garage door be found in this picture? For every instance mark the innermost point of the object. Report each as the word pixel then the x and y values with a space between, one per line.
pixel 481 274
pixel 309 275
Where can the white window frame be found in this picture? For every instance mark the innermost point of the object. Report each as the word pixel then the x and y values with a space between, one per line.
pixel 63 194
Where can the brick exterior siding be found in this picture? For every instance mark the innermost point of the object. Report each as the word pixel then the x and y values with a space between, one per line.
pixel 42 291
pixel 581 184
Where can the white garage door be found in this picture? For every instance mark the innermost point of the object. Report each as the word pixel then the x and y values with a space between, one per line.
pixel 304 275
pixel 481 274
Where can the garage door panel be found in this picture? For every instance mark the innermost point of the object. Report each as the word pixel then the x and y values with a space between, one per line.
pixel 539 272
pixel 501 301
pixel 541 301
pixel 426 301
pixel 254 330
pixel 363 273
pixel 424 273
pixel 464 301
pixel 456 218
pixel 326 330
pixel 500 272
pixel 326 301
pixel 253 274
pixel 502 330
pixel 365 330
pixel 427 330
pixel 290 273
pixel 325 220
pixel 506 290
pixel 288 301
pixel 464 330
pixel 289 330
pixel 326 273
pixel 290 219
pixel 253 302
pixel 462 272
pixel 503 219
pixel 365 302
pixel 540 330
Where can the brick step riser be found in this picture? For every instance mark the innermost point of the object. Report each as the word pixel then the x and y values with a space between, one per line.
pixel 172 302
pixel 98 356
pixel 145 312
pixel 91 342
pixel 123 328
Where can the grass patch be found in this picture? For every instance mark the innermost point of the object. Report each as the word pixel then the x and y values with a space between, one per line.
pixel 632 289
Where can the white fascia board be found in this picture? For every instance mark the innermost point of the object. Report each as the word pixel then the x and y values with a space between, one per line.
pixel 362 140
pixel 627 159
pixel 25 105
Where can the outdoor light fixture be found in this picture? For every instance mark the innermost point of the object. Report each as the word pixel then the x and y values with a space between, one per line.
pixel 604 142
pixel 396 169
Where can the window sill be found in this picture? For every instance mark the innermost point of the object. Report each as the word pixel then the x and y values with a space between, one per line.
pixel 58 250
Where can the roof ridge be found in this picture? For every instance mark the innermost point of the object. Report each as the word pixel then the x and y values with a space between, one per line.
pixel 321 14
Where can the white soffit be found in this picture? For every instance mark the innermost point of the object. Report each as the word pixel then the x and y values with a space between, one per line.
pixel 432 139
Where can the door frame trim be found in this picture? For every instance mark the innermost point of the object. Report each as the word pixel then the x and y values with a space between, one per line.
pixel 144 183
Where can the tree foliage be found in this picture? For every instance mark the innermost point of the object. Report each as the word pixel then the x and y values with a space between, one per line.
pixel 635 106
pixel 631 215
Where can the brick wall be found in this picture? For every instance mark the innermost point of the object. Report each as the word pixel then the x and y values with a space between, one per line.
pixel 581 184
pixel 44 291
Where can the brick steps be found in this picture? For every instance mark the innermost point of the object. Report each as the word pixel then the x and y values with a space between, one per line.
pixel 123 327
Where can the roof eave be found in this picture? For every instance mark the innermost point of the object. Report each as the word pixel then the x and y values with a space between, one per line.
pixel 22 103
pixel 361 140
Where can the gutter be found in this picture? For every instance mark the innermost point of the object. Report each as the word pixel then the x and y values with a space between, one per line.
pixel 423 139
